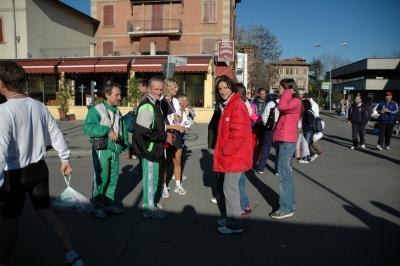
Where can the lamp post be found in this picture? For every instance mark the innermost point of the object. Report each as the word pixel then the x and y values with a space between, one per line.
pixel 330 71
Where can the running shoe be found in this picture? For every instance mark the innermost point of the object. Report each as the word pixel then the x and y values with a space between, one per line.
pixel 154 213
pixel 218 199
pixel 165 193
pixel 99 213
pixel 113 209
pixel 180 190
pixel 246 211
pixel 183 177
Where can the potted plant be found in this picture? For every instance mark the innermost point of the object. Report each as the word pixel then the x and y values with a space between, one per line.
pixel 133 94
pixel 65 93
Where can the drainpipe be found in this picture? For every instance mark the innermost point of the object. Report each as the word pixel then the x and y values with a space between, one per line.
pixel 15 29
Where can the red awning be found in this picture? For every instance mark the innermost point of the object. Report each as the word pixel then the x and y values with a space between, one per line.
pixel 78 65
pixel 112 65
pixel 154 65
pixel 32 66
pixel 225 70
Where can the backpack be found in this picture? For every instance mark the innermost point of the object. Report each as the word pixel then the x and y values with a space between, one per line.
pixel 319 124
pixel 271 118
pixel 129 121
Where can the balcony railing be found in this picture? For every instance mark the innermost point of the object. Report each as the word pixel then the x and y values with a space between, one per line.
pixel 155 27
pixel 128 50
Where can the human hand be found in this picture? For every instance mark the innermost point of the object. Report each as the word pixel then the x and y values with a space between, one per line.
pixel 66 168
pixel 180 128
pixel 348 122
pixel 299 130
pixel 113 136
pixel 170 138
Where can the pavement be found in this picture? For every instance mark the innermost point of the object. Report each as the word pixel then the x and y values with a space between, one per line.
pixel 348 211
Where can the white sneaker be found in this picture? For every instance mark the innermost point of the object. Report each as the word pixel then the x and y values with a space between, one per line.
pixel 165 193
pixel 183 177
pixel 180 190
pixel 352 148
pixel 387 147
pixel 302 161
pixel 379 147
pixel 363 146
pixel 313 157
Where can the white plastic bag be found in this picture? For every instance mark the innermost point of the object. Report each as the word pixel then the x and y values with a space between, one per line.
pixel 302 147
pixel 71 200
pixel 317 136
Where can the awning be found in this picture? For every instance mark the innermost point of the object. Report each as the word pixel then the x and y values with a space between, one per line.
pixel 225 70
pixel 154 65
pixel 32 66
pixel 112 65
pixel 78 65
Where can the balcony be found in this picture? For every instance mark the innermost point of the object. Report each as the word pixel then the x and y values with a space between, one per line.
pixel 154 27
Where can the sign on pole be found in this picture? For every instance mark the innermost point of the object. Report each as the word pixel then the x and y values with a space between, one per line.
pixel 226 51
pixel 177 60
pixel 325 86
pixel 349 88
pixel 168 70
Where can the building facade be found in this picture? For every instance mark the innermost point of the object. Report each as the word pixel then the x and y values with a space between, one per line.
pixel 370 78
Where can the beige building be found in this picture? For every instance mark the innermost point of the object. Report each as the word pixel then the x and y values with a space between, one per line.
pixel 40 25
pixel 295 68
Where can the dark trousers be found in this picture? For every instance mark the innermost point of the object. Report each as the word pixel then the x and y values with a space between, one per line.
pixel 385 132
pixel 358 130
pixel 266 149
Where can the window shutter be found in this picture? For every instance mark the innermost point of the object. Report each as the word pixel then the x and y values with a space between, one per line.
pixel 1 30
pixel 206 11
pixel 208 46
pixel 108 14
pixel 107 48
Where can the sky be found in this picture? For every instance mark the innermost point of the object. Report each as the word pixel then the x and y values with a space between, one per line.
pixel 369 27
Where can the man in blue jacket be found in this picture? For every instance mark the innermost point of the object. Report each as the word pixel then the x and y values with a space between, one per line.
pixel 388 110
pixel 358 117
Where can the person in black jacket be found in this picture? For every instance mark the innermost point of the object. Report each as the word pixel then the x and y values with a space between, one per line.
pixel 308 130
pixel 358 117
pixel 148 143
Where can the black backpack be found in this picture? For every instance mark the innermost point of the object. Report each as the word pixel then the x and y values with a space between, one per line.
pixel 271 118
pixel 319 124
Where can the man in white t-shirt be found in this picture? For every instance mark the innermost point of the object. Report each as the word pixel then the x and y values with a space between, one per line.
pixel 315 109
pixel 25 127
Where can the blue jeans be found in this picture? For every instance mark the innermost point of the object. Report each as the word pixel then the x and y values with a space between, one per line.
pixel 244 201
pixel 309 138
pixel 266 149
pixel 286 187
pixel 277 156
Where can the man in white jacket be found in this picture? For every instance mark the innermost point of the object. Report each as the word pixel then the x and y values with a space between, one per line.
pixel 24 131
pixel 315 109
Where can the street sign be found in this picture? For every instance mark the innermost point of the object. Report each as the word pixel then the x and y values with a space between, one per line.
pixel 168 70
pixel 177 60
pixel 226 51
pixel 325 86
pixel 349 88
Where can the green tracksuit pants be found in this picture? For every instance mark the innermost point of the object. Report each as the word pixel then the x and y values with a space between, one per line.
pixel 150 183
pixel 105 177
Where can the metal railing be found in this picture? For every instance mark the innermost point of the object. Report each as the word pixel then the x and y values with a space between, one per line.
pixel 163 26
pixel 127 50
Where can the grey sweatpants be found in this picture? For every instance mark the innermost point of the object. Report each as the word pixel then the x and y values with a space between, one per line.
pixel 232 201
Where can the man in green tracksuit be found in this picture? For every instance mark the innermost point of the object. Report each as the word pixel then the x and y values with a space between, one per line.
pixel 147 142
pixel 105 120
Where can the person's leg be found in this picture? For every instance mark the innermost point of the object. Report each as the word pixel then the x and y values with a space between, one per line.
pixel 388 133
pixel 286 187
pixel 9 238
pixel 101 164
pixel 57 227
pixel 254 139
pixel 220 182
pixel 244 200
pixel 382 130
pixel 277 157
pixel 354 134
pixel 177 160
pixel 317 148
pixel 309 139
pixel 109 193
pixel 361 132
pixel 260 138
pixel 232 201
pixel 266 149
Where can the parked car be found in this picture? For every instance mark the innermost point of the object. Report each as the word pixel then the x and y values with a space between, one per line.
pixel 373 111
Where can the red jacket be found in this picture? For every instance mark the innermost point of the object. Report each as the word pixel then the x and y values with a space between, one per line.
pixel 289 117
pixel 233 151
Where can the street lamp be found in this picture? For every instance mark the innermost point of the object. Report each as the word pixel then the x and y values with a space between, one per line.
pixel 330 70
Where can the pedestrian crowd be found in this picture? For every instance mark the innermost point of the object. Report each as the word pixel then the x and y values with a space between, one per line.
pixel 158 140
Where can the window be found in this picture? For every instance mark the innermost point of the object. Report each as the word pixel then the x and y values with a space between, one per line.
pixel 208 46
pixel 298 71
pixel 209 11
pixel 289 71
pixel 108 15
pixel 108 48
pixel 1 30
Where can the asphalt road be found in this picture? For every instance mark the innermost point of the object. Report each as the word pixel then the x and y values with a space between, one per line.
pixel 348 212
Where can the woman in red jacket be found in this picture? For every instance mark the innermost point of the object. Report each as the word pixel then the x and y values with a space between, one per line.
pixel 285 134
pixel 233 154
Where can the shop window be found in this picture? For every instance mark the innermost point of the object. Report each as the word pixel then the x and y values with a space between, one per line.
pixel 108 15
pixel 209 11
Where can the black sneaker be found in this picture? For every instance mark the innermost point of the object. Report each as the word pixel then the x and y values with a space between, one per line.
pixel 218 199
pixel 280 215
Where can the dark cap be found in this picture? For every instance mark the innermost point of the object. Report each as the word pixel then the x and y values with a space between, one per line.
pixel 306 95
pixel 389 93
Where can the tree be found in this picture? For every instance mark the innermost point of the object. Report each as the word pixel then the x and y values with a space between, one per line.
pixel 335 61
pixel 316 68
pixel 133 93
pixel 262 48
pixel 65 93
